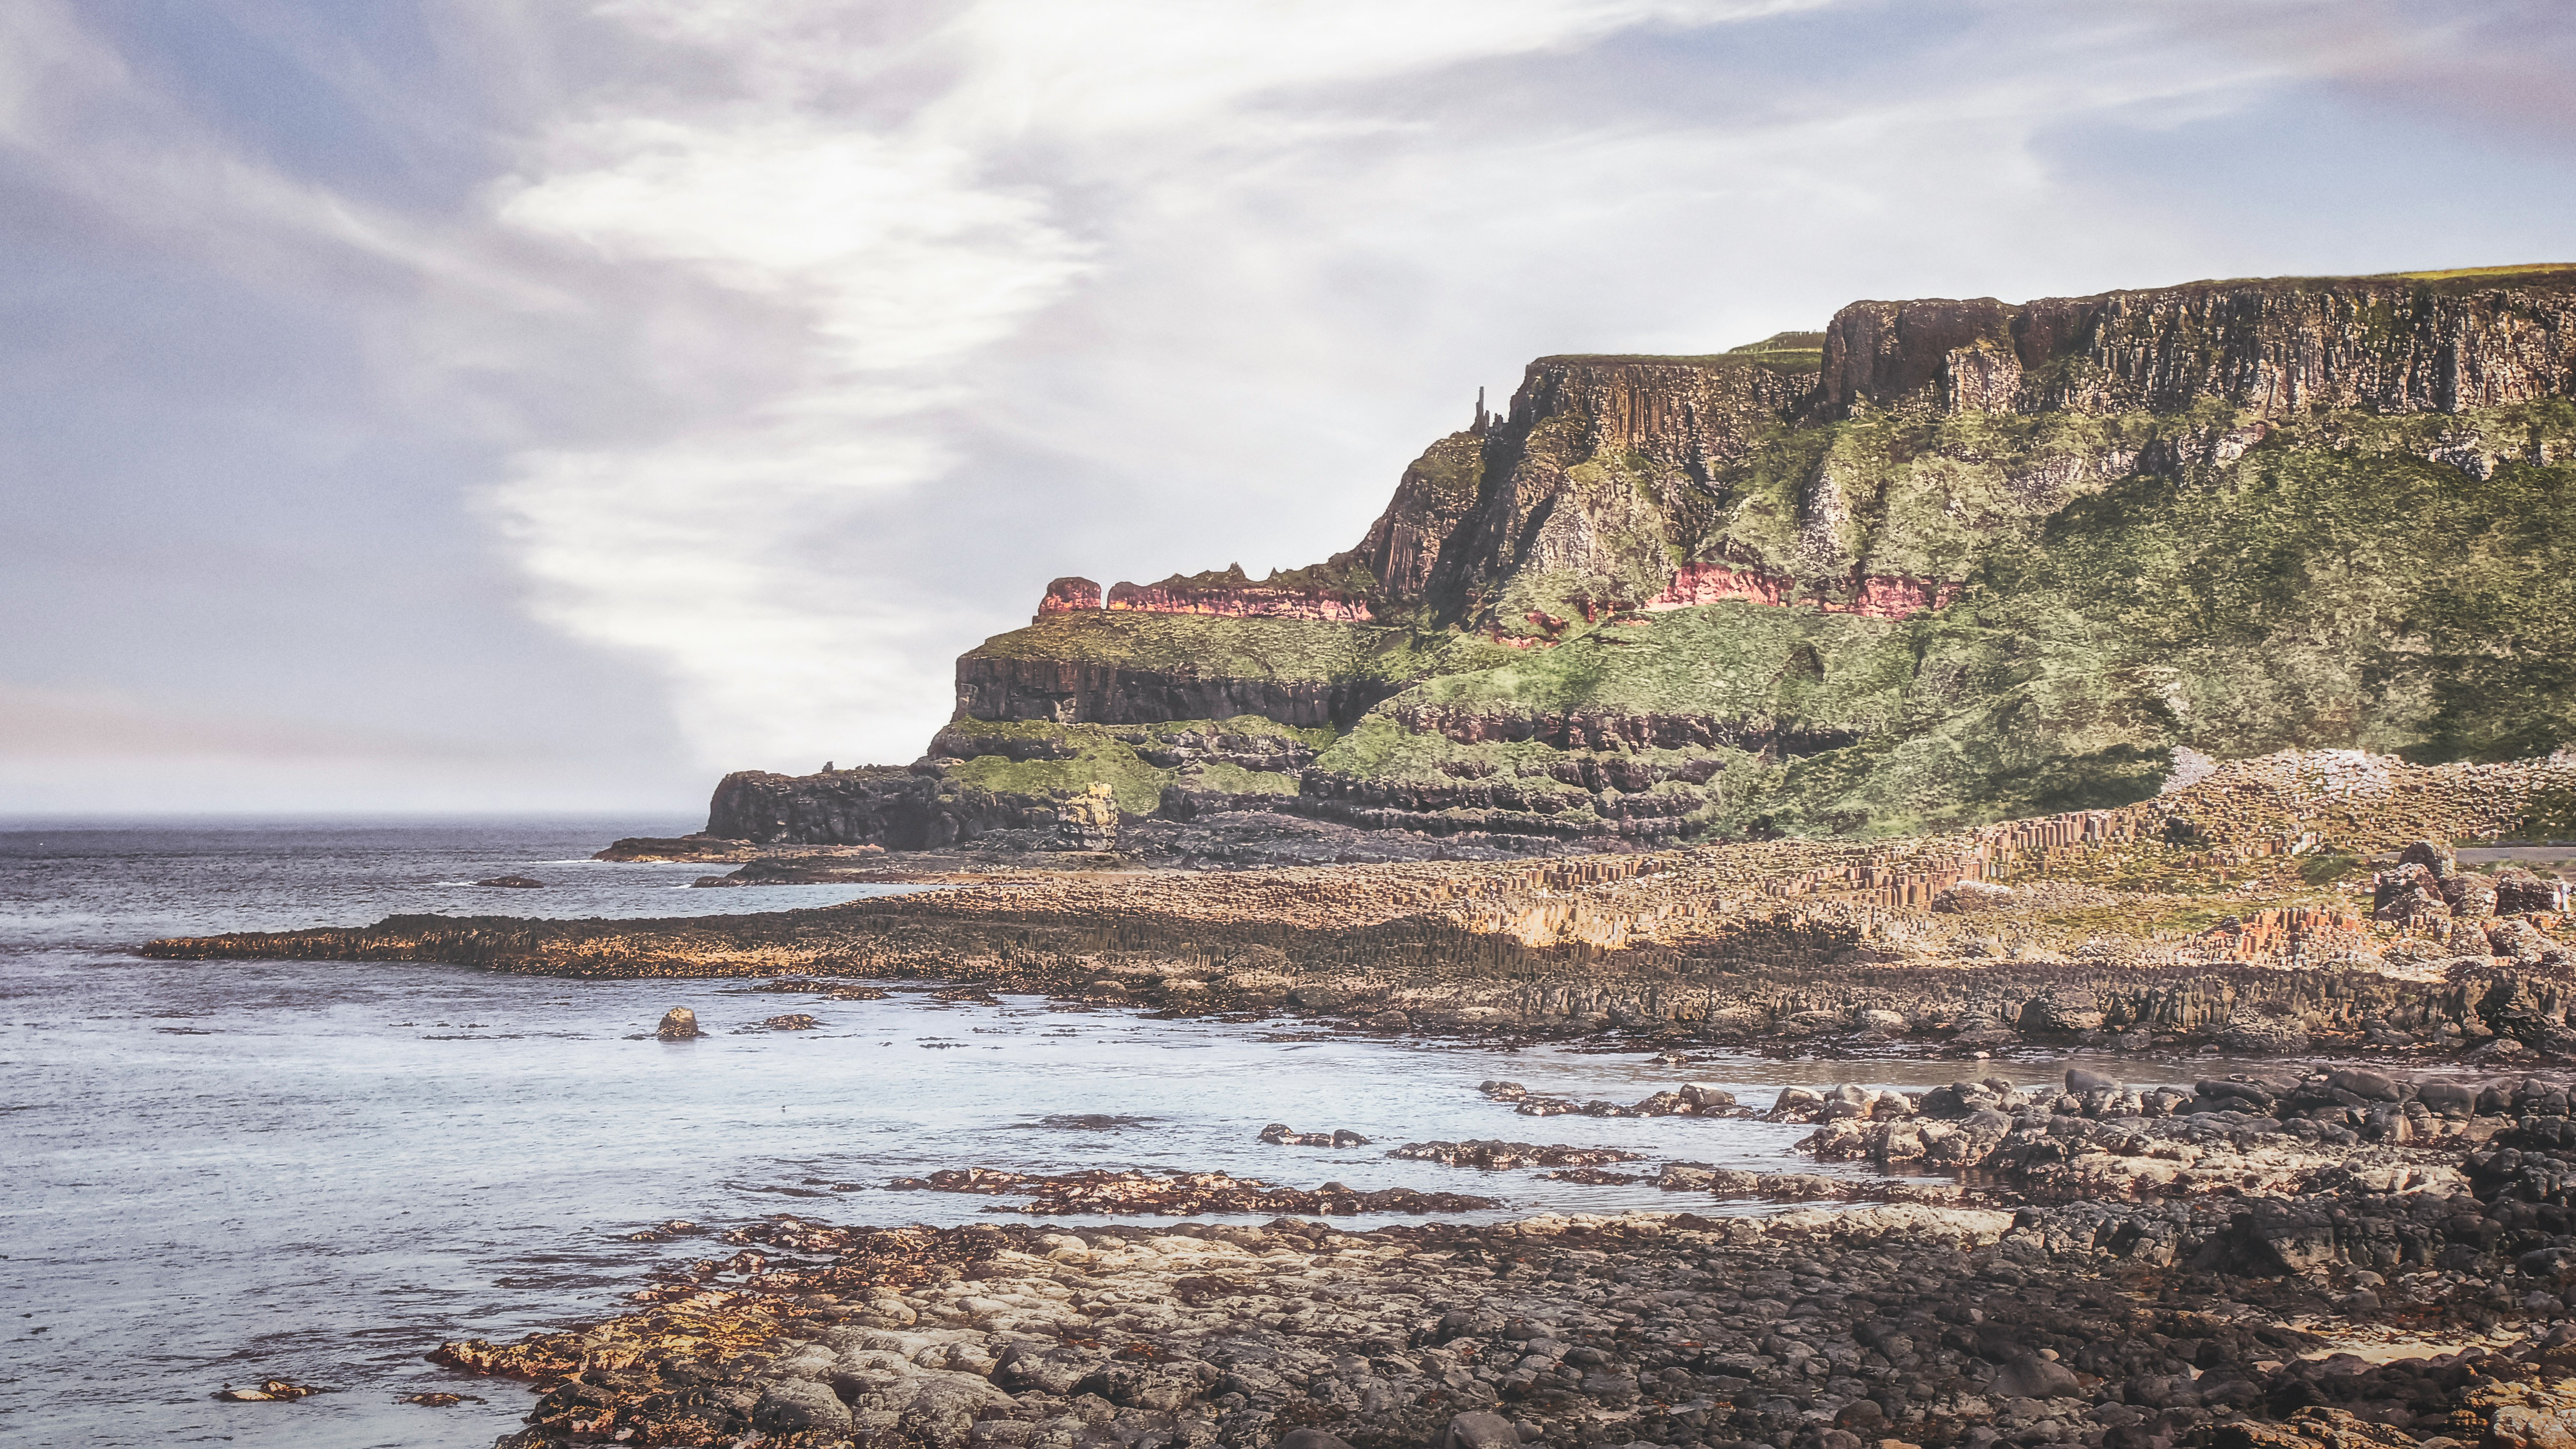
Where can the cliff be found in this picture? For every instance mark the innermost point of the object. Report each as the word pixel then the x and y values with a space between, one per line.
pixel 1940 562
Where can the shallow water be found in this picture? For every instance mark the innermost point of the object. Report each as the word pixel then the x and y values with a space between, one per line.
pixel 222 1171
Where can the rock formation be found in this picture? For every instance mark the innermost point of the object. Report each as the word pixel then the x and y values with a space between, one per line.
pixel 1940 562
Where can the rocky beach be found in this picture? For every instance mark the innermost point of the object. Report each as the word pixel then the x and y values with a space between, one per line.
pixel 2343 1259
pixel 2356 1233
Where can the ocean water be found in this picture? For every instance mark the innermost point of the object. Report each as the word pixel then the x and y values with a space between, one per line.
pixel 223 1171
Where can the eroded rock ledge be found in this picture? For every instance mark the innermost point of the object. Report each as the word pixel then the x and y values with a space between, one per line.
pixel 1927 1326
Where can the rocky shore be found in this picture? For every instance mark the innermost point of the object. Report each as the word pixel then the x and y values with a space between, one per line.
pixel 2381 1286
pixel 2275 906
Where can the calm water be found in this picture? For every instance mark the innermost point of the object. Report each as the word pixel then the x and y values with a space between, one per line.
pixel 223 1171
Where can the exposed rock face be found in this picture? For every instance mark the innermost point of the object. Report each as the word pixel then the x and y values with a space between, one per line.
pixel 1076 692
pixel 1879 596
pixel 1991 559
pixel 1068 594
pixel 2382 344
pixel 1436 494
pixel 899 809
pixel 1088 821
pixel 1602 468
pixel 1236 596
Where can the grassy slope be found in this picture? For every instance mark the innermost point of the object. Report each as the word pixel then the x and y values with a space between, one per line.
pixel 2330 588
pixel 1290 651
pixel 1108 754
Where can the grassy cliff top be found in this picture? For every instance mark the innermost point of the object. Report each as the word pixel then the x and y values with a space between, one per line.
pixel 1211 644
pixel 2457 280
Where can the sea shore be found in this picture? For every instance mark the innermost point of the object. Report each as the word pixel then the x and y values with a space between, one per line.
pixel 2323 1276
pixel 2367 1241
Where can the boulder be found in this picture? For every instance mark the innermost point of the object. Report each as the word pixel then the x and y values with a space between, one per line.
pixel 1480 1430
pixel 1311 1439
pixel 2409 895
pixel 2434 856
pixel 2080 1081
pixel 2373 1086
pixel 2519 1427
pixel 1971 896
pixel 2470 896
pixel 2519 939
pixel 2033 1377
pixel 2518 891
pixel 678 1024
pixel 800 1406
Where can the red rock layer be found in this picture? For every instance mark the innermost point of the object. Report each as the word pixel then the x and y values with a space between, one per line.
pixel 1256 602
pixel 1063 596
pixel 1878 596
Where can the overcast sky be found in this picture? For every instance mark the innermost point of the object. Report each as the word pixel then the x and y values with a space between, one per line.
pixel 536 405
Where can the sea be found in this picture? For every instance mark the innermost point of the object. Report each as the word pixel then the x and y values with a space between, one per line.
pixel 218 1172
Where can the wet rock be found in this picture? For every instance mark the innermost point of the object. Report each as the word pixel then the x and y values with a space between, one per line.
pixel 1496 1156
pixel 513 882
pixel 794 1021
pixel 678 1024
pixel 1134 1193
pixel 1279 1134
pixel 269 1391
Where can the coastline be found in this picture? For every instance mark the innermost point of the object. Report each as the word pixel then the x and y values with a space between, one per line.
pixel 2390 1295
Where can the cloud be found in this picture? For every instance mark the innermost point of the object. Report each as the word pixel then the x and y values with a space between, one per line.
pixel 785 349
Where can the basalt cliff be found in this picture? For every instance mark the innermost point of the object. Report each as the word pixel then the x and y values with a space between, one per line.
pixel 1944 562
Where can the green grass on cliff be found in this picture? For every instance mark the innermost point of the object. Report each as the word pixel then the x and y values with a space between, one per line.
pixel 1288 651
pixel 1111 755
pixel 2350 581
pixel 1138 785
pixel 2329 589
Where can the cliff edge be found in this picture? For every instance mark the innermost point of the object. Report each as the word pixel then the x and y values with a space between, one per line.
pixel 1939 563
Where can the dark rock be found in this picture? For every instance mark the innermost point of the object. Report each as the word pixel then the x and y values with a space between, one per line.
pixel 2032 1377
pixel 2373 1086
pixel 514 882
pixel 678 1024
pixel 1480 1430
pixel 799 1406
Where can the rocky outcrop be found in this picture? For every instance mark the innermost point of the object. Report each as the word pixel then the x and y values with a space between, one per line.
pixel 1081 692
pixel 1434 497
pixel 2393 344
pixel 1234 595
pixel 1088 821
pixel 1877 596
pixel 898 809
pixel 1066 595
pixel 1602 469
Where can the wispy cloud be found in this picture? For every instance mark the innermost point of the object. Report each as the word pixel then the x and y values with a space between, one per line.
pixel 785 349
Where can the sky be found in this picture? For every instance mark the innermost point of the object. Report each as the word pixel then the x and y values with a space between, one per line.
pixel 530 405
